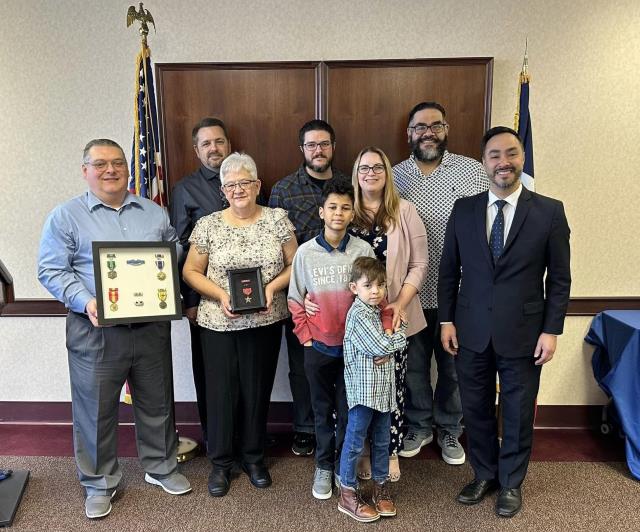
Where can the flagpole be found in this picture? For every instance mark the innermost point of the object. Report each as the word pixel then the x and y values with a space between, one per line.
pixel 187 447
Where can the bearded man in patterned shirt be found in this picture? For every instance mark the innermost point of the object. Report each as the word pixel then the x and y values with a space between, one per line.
pixel 432 178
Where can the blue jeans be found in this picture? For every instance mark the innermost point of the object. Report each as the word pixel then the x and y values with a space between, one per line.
pixel 423 407
pixel 361 418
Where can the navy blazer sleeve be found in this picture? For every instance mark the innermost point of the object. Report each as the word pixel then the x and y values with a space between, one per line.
pixel 558 279
pixel 449 273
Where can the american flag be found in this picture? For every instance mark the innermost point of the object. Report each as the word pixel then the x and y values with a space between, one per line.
pixel 146 161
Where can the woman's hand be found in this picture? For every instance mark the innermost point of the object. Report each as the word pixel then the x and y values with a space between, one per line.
pixel 398 314
pixel 379 361
pixel 225 304
pixel 268 296
pixel 310 307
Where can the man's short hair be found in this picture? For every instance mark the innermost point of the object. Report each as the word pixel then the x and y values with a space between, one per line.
pixel 498 130
pixel 237 162
pixel 370 268
pixel 100 142
pixel 339 186
pixel 207 122
pixel 316 125
pixel 426 105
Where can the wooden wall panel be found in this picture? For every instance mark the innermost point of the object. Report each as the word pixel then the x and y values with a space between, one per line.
pixel 263 106
pixel 367 102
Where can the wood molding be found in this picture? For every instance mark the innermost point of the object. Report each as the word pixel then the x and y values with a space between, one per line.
pixel 578 306
pixel 280 414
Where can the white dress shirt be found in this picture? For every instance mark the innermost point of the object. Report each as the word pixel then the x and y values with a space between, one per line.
pixel 508 211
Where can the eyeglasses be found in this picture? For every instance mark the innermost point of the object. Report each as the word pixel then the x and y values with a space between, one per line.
pixel 101 166
pixel 311 146
pixel 420 129
pixel 244 184
pixel 365 168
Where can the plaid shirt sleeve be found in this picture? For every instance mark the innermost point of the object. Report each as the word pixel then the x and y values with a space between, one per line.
pixel 368 338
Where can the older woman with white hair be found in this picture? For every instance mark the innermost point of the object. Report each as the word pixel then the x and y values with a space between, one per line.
pixel 240 351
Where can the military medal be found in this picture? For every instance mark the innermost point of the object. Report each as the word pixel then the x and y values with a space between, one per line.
pixel 247 290
pixel 113 297
pixel 138 302
pixel 111 264
pixel 160 264
pixel 162 296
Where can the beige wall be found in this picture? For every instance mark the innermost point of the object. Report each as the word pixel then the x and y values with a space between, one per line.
pixel 67 76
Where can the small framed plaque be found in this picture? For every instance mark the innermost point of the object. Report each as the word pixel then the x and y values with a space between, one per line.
pixel 136 282
pixel 246 290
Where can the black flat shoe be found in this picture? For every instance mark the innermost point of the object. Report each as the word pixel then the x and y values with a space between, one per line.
pixel 509 502
pixel 219 482
pixel 475 491
pixel 258 475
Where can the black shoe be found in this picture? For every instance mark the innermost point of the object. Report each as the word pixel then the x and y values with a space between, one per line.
pixel 219 482
pixel 509 502
pixel 304 443
pixel 258 475
pixel 475 491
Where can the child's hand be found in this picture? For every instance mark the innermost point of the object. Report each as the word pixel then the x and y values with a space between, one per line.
pixel 388 332
pixel 379 361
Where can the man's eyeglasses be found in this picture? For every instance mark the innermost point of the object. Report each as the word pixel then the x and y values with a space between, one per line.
pixel 365 168
pixel 244 184
pixel 421 129
pixel 101 166
pixel 311 146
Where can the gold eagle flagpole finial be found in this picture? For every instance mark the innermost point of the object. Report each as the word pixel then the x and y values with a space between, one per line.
pixel 143 16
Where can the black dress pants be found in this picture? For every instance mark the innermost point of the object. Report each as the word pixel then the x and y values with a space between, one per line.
pixel 519 383
pixel 328 399
pixel 240 367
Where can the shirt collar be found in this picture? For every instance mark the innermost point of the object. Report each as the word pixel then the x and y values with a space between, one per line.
pixel 93 201
pixel 210 174
pixel 320 239
pixel 365 306
pixel 511 199
pixel 447 160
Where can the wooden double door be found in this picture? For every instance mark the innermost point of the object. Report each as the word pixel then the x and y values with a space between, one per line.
pixel 367 103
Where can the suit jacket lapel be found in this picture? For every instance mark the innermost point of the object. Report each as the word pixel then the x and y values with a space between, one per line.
pixel 522 209
pixel 480 215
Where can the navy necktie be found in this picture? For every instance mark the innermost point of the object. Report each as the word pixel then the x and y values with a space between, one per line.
pixel 496 238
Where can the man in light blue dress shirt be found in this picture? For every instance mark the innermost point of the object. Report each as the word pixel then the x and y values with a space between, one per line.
pixel 101 359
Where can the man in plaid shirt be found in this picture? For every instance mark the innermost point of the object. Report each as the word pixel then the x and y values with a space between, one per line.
pixel 300 195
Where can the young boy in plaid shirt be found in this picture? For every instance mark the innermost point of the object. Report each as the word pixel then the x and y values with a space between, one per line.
pixel 370 385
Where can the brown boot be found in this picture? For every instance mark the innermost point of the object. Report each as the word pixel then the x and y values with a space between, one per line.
pixel 382 499
pixel 351 503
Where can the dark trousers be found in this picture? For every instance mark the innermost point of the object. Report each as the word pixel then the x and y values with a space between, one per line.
pixel 302 411
pixel 328 398
pixel 425 407
pixel 197 364
pixel 519 383
pixel 240 367
pixel 101 359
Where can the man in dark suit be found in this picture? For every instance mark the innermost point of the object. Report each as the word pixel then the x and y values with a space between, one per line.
pixel 499 313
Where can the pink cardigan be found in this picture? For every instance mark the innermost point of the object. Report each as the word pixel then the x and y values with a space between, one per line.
pixel 407 261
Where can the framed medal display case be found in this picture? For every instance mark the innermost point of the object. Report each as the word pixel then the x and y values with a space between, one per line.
pixel 136 282
pixel 246 290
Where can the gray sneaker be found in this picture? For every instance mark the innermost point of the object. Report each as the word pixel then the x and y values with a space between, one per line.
pixel 175 484
pixel 413 442
pixel 336 480
pixel 96 506
pixel 452 451
pixel 322 484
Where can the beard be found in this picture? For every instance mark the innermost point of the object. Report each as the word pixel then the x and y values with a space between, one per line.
pixel 504 184
pixel 317 165
pixel 429 154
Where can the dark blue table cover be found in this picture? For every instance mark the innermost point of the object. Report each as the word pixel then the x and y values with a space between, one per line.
pixel 616 367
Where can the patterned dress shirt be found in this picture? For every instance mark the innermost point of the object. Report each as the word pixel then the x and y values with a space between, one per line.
pixel 366 383
pixel 433 195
